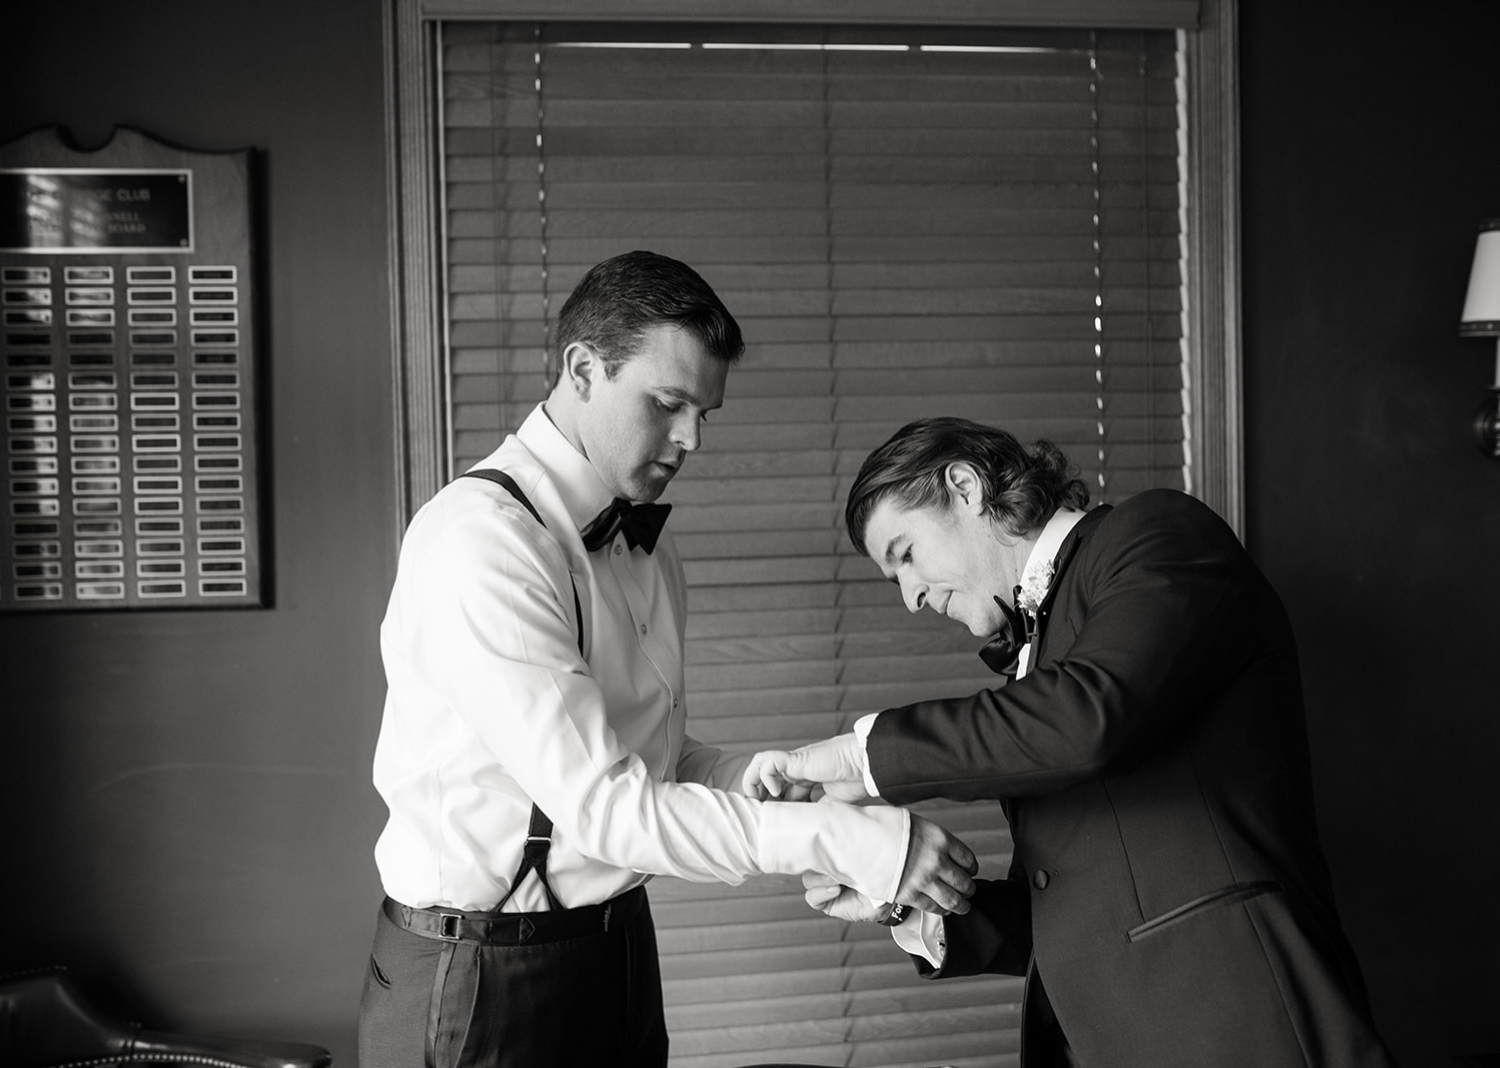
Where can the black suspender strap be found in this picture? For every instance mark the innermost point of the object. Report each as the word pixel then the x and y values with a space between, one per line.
pixel 504 481
pixel 534 858
pixel 539 833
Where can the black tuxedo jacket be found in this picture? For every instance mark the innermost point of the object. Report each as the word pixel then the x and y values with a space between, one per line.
pixel 1167 882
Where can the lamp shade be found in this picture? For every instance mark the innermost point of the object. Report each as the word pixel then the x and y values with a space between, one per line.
pixel 1481 315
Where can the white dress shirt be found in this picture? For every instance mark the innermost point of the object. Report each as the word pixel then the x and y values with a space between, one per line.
pixel 921 933
pixel 490 708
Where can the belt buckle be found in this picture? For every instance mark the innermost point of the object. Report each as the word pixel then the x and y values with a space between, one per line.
pixel 448 927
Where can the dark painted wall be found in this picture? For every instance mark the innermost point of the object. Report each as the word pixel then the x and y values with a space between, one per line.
pixel 187 794
pixel 1368 165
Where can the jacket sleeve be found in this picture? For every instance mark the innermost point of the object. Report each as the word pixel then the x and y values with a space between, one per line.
pixel 994 936
pixel 1156 611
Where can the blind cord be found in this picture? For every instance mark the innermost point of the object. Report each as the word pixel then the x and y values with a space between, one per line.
pixel 1098 257
pixel 541 203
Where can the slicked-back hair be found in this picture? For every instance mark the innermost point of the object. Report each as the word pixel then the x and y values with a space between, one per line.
pixel 618 300
pixel 1022 485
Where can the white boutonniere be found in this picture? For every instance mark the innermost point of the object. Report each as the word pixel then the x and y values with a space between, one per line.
pixel 1028 599
pixel 1034 589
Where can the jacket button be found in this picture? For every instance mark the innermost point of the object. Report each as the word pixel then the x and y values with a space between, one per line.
pixel 1040 879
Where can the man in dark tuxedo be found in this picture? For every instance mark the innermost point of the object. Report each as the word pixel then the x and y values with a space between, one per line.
pixel 1167 899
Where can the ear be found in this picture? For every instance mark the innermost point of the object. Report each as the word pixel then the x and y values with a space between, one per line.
pixel 580 365
pixel 964 486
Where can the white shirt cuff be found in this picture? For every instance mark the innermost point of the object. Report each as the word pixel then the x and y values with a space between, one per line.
pixel 921 935
pixel 862 727
pixel 863 846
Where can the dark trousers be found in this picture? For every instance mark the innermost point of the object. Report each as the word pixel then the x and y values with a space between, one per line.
pixel 449 989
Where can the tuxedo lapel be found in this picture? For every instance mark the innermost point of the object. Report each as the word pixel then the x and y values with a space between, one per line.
pixel 1065 553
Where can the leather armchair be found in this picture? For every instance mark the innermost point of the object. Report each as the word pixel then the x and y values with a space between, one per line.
pixel 46 1021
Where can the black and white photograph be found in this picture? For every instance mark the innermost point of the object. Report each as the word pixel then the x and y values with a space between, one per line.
pixel 750 534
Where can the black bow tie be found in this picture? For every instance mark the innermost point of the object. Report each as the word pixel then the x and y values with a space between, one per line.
pixel 641 523
pixel 1002 652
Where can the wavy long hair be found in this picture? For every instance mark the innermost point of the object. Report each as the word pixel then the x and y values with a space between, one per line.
pixel 1022 485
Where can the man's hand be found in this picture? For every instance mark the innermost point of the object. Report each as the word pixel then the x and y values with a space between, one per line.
pixel 939 872
pixel 836 764
pixel 734 777
pixel 793 792
pixel 829 896
pixel 937 878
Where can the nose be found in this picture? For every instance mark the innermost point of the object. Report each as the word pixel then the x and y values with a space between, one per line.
pixel 914 594
pixel 685 434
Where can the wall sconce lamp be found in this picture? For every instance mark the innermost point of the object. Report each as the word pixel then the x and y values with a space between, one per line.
pixel 1481 318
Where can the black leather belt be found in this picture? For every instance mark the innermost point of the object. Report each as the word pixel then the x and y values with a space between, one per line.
pixel 517 928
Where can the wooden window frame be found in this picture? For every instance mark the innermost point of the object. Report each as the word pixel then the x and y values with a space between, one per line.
pixel 1210 203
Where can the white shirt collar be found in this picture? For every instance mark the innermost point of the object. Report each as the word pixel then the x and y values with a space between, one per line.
pixel 583 492
pixel 1045 550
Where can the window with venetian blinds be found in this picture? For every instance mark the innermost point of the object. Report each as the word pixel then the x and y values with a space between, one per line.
pixel 905 223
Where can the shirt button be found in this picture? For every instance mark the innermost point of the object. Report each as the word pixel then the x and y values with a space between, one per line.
pixel 619 549
pixel 1041 879
pixel 643 628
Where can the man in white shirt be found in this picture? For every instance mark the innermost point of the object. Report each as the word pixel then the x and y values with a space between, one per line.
pixel 533 750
